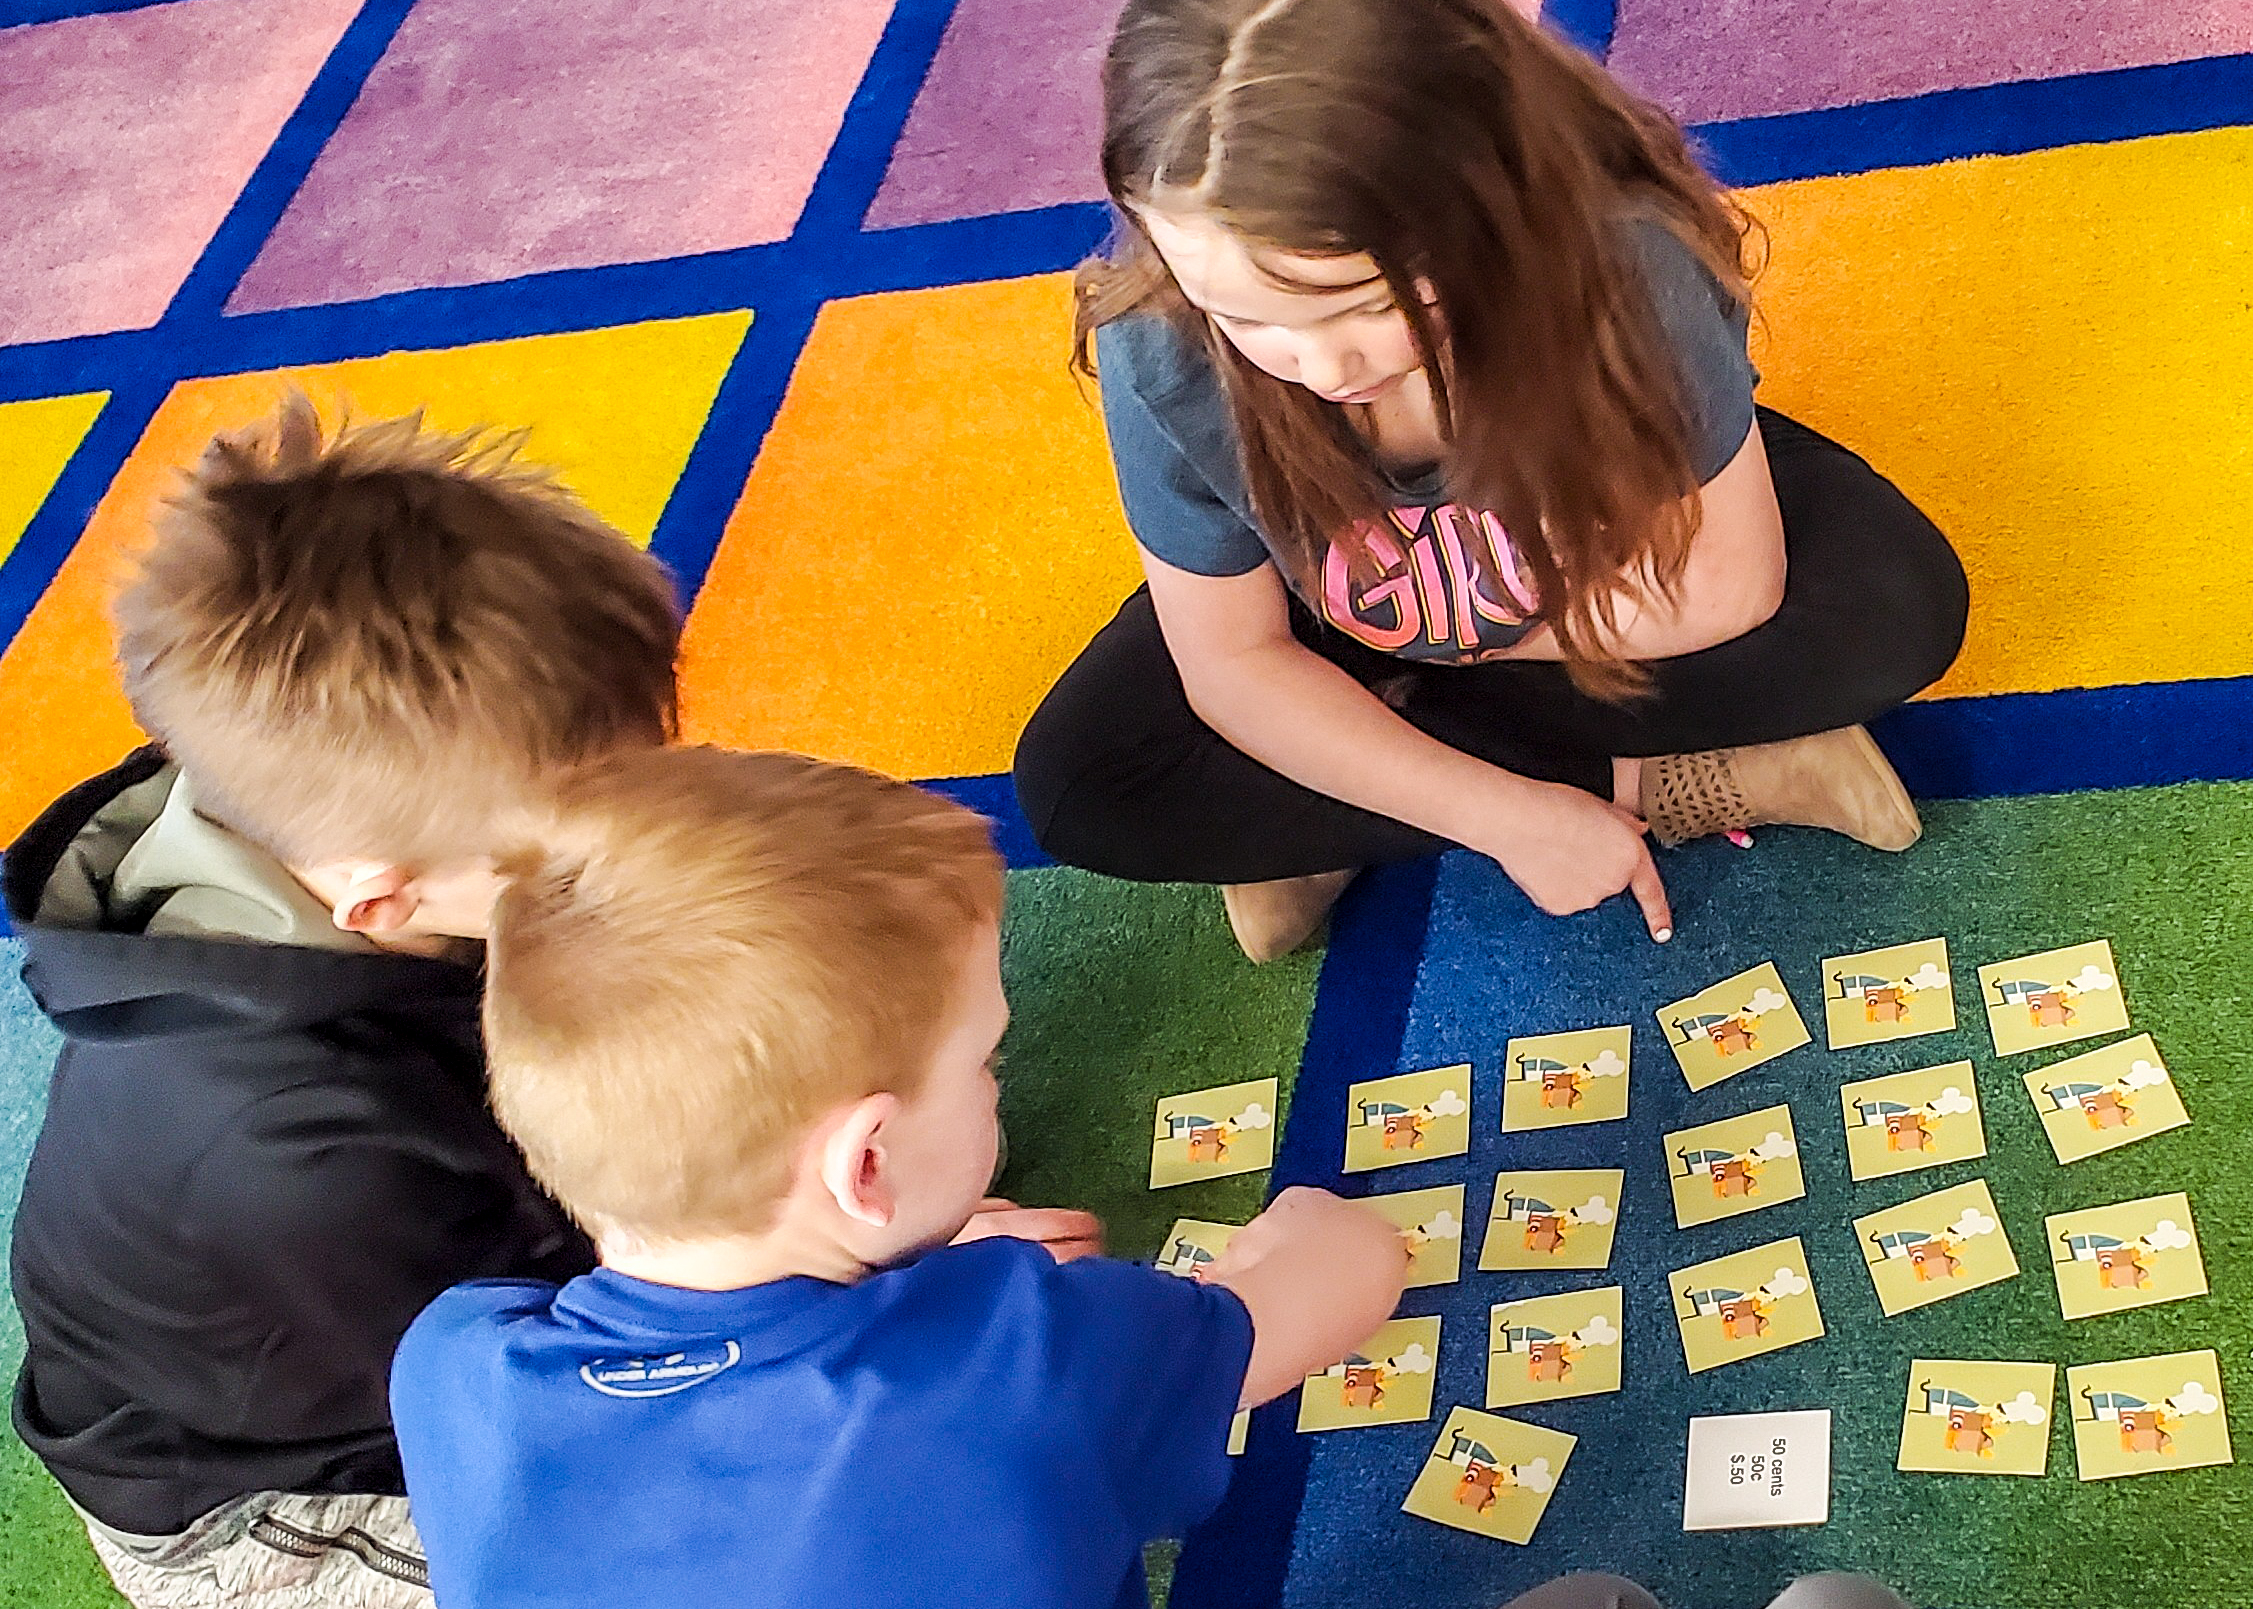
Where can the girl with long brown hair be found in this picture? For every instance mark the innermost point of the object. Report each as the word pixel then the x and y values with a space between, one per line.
pixel 1422 354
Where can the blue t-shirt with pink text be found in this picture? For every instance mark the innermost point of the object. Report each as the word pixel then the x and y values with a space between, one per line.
pixel 981 1426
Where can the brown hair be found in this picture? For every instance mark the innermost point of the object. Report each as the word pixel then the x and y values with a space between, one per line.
pixel 375 645
pixel 1462 148
pixel 707 953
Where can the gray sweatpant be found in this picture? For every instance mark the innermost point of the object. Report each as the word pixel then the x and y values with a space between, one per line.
pixel 275 1550
pixel 1834 1591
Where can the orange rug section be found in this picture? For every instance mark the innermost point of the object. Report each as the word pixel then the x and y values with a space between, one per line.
pixel 2053 355
pixel 930 534
pixel 614 411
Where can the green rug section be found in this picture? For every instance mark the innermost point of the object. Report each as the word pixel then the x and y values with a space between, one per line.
pixel 1121 993
pixel 44 1560
pixel 2167 876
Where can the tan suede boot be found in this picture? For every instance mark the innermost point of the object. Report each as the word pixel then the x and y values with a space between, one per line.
pixel 1839 780
pixel 1273 919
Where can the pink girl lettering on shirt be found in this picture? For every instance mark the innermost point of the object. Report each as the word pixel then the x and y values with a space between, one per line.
pixel 1448 586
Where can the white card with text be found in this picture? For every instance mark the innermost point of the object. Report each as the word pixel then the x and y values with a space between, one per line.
pixel 1758 1469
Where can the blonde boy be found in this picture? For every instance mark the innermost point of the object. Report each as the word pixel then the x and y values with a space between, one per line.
pixel 742 1018
pixel 267 1145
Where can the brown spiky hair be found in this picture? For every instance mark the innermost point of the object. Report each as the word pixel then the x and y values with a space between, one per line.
pixel 377 642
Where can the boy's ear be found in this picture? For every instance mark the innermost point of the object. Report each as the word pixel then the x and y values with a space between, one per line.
pixel 852 1162
pixel 375 899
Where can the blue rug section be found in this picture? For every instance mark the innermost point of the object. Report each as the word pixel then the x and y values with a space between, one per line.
pixel 28 1043
pixel 1237 1559
pixel 1493 968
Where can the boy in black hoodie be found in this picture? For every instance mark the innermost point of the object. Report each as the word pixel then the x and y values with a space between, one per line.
pixel 267 1144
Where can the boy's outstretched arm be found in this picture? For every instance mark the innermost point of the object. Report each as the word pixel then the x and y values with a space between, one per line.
pixel 1319 1275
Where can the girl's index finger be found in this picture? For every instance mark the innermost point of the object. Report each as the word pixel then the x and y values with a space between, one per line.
pixel 1650 894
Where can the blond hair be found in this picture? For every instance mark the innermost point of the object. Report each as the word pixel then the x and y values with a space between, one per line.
pixel 374 644
pixel 709 951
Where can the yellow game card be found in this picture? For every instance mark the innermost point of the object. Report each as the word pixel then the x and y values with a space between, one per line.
pixel 1739 1164
pixel 2147 1415
pixel 2106 1099
pixel 1551 1347
pixel 1553 1080
pixel 1191 1244
pixel 1387 1382
pixel 1210 1133
pixel 1968 1418
pixel 2134 1254
pixel 2053 998
pixel 1735 1025
pixel 1411 1117
pixel 1935 1247
pixel 1562 1218
pixel 1906 1121
pixel 1879 995
pixel 1489 1475
pixel 1431 1222
pixel 1741 1306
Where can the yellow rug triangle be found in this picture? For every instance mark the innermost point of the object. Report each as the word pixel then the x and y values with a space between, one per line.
pixel 36 440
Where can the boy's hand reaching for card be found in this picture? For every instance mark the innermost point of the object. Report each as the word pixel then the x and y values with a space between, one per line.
pixel 1065 1231
pixel 1319 1275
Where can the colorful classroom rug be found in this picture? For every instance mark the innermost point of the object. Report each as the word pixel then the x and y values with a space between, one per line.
pixel 783 292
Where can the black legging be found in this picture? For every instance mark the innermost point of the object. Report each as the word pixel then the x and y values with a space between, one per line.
pixel 1117 774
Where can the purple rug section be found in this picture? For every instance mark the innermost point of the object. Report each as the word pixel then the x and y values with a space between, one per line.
pixel 124 139
pixel 1009 118
pixel 1711 60
pixel 495 140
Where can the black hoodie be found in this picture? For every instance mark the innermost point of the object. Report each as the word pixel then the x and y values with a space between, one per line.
pixel 259 1162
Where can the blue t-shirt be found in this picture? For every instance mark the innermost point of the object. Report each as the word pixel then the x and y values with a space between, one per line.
pixel 982 1426
pixel 1449 587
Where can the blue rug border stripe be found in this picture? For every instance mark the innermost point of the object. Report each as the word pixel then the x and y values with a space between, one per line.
pixel 2012 119
pixel 1238 1559
pixel 694 519
pixel 267 193
pixel 2142 735
pixel 854 169
pixel 1002 245
pixel 1589 24
pixel 750 393
pixel 26 13
pixel 995 798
